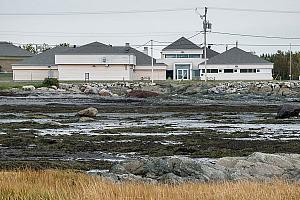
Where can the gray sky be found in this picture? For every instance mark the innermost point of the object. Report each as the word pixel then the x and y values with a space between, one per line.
pixel 139 28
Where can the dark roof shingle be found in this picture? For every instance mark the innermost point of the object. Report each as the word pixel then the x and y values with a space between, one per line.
pixel 45 58
pixel 48 57
pixel 182 43
pixel 10 50
pixel 236 56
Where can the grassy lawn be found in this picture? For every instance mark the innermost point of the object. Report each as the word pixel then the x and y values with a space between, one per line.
pixel 9 85
pixel 6 77
pixel 31 185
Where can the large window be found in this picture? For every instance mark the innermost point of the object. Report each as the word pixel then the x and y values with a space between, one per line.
pixel 182 56
pixel 247 70
pixel 228 70
pixel 211 71
pixel 170 56
pixel 194 55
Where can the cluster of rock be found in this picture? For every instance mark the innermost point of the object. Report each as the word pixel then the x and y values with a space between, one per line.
pixel 263 87
pixel 174 170
pixel 110 89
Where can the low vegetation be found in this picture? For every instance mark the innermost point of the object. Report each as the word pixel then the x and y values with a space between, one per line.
pixel 58 185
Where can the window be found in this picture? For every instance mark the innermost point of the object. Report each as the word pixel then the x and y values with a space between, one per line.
pixel 194 55
pixel 182 56
pixel 210 71
pixel 220 70
pixel 248 70
pixel 228 70
pixel 170 56
pixel 258 70
pixel 235 70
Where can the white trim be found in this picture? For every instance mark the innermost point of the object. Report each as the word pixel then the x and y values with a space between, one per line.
pixel 14 67
pixel 174 70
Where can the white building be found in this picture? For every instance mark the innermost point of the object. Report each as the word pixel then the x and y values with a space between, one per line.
pixel 182 58
pixel 94 61
pixel 236 64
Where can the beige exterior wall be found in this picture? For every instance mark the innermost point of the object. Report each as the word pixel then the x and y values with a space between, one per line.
pixel 6 62
pixel 158 74
pixel 96 72
pixel 33 74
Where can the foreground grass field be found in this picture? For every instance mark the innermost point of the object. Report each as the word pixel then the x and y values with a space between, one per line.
pixel 27 185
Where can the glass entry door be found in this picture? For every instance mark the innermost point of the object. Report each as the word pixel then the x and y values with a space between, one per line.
pixel 182 74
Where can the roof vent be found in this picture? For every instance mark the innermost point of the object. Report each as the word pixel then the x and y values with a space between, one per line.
pixel 146 50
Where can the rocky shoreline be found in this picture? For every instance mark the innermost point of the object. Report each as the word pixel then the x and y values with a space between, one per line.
pixel 106 89
pixel 175 170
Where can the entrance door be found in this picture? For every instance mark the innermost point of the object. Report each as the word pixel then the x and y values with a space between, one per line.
pixel 182 74
pixel 87 77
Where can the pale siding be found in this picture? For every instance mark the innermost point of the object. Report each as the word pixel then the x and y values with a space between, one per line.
pixel 170 62
pixel 97 72
pixel 33 74
pixel 265 72
pixel 158 74
pixel 95 59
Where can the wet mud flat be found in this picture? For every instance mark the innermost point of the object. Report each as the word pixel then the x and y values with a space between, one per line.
pixel 43 132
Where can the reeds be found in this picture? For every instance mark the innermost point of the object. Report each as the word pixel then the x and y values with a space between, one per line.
pixel 56 185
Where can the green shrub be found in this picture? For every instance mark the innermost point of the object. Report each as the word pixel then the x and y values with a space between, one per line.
pixel 51 81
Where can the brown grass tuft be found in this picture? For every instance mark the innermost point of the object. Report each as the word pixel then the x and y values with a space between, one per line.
pixel 56 185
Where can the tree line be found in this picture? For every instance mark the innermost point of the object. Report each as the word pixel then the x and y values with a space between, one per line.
pixel 281 62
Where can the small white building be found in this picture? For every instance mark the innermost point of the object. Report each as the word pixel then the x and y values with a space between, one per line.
pixel 94 61
pixel 236 64
pixel 182 58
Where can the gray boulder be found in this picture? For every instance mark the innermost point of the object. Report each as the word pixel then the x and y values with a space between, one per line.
pixel 176 170
pixel 287 111
pixel 89 112
pixel 86 119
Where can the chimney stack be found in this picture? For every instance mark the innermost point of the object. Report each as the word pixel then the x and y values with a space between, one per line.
pixel 237 44
pixel 146 50
pixel 127 44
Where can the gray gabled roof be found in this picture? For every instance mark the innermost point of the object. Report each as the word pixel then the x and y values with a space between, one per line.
pixel 10 50
pixel 181 43
pixel 92 48
pixel 141 58
pixel 100 48
pixel 236 56
pixel 210 53
pixel 47 58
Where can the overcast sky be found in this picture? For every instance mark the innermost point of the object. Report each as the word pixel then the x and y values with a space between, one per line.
pixel 138 28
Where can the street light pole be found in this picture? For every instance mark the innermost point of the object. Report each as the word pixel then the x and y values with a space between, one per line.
pixel 205 42
pixel 290 62
pixel 152 63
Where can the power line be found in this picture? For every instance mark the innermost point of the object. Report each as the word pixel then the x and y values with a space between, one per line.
pixel 90 36
pixel 256 36
pixel 96 33
pixel 256 10
pixel 110 12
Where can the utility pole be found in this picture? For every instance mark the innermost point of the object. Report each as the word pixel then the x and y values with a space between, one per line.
pixel 206 26
pixel 290 62
pixel 205 42
pixel 152 63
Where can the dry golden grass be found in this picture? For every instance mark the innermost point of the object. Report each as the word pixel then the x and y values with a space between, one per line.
pixel 28 185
